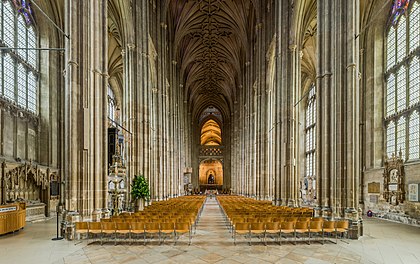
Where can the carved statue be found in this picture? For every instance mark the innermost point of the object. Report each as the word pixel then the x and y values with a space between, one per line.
pixel 210 180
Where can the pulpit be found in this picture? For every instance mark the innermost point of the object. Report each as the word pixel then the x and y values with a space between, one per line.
pixel 12 217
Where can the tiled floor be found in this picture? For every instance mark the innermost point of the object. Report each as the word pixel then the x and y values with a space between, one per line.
pixel 384 242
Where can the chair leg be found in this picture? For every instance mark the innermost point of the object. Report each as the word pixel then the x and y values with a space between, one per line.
pixel 265 241
pixel 174 238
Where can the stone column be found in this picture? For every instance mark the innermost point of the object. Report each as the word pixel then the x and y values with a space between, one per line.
pixel 85 146
pixel 352 111
pixel 127 115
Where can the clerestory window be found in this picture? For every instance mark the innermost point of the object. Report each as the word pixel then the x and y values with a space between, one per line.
pixel 403 81
pixel 18 56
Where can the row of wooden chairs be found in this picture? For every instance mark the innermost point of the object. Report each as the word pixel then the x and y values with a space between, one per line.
pixel 155 219
pixel 251 217
pixel 132 229
pixel 290 228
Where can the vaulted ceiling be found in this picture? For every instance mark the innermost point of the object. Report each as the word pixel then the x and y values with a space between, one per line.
pixel 211 39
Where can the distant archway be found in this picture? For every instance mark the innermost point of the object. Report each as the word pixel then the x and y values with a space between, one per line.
pixel 211 174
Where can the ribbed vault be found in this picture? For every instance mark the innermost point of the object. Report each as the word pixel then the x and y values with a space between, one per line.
pixel 211 134
pixel 210 39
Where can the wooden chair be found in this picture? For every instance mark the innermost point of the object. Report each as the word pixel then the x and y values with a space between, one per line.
pixel 82 228
pixel 240 229
pixel 342 228
pixel 182 228
pixel 108 229
pixel 137 228
pixel 236 220
pixel 166 229
pixel 258 229
pixel 315 227
pixel 286 228
pixel 123 229
pixel 152 229
pixel 272 228
pixel 301 227
pixel 328 227
pixel 95 229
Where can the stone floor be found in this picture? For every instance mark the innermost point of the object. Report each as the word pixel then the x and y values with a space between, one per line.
pixel 384 242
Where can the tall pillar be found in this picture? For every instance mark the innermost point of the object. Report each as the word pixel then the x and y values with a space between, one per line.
pixel 85 146
pixel 127 115
pixel 352 111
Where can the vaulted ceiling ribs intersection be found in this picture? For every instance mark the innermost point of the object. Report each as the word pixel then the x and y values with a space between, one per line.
pixel 210 38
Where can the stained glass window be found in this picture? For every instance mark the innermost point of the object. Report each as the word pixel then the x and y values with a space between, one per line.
pixel 399 7
pixel 403 81
pixel 308 186
pixel 18 68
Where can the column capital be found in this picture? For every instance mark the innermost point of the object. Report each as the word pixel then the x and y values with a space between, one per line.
pixel 73 63
pixel 292 47
pixel 351 65
pixel 130 46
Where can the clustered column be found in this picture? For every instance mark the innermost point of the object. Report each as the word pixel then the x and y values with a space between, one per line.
pixel 338 120
pixel 86 79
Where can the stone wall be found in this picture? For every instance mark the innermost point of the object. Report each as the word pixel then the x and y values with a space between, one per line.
pixel 407 212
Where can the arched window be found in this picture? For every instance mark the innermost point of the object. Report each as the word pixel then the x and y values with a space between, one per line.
pixel 309 183
pixel 18 65
pixel 403 80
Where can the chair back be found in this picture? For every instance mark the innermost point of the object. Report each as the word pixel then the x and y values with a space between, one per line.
pixel 81 226
pixel 272 226
pixel 301 225
pixel 328 225
pixel 315 225
pixel 343 224
pixel 290 225
pixel 242 226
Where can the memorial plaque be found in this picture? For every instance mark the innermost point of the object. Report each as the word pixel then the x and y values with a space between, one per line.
pixel 393 187
pixel 373 199
pixel 54 188
pixel 413 192
pixel 374 187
